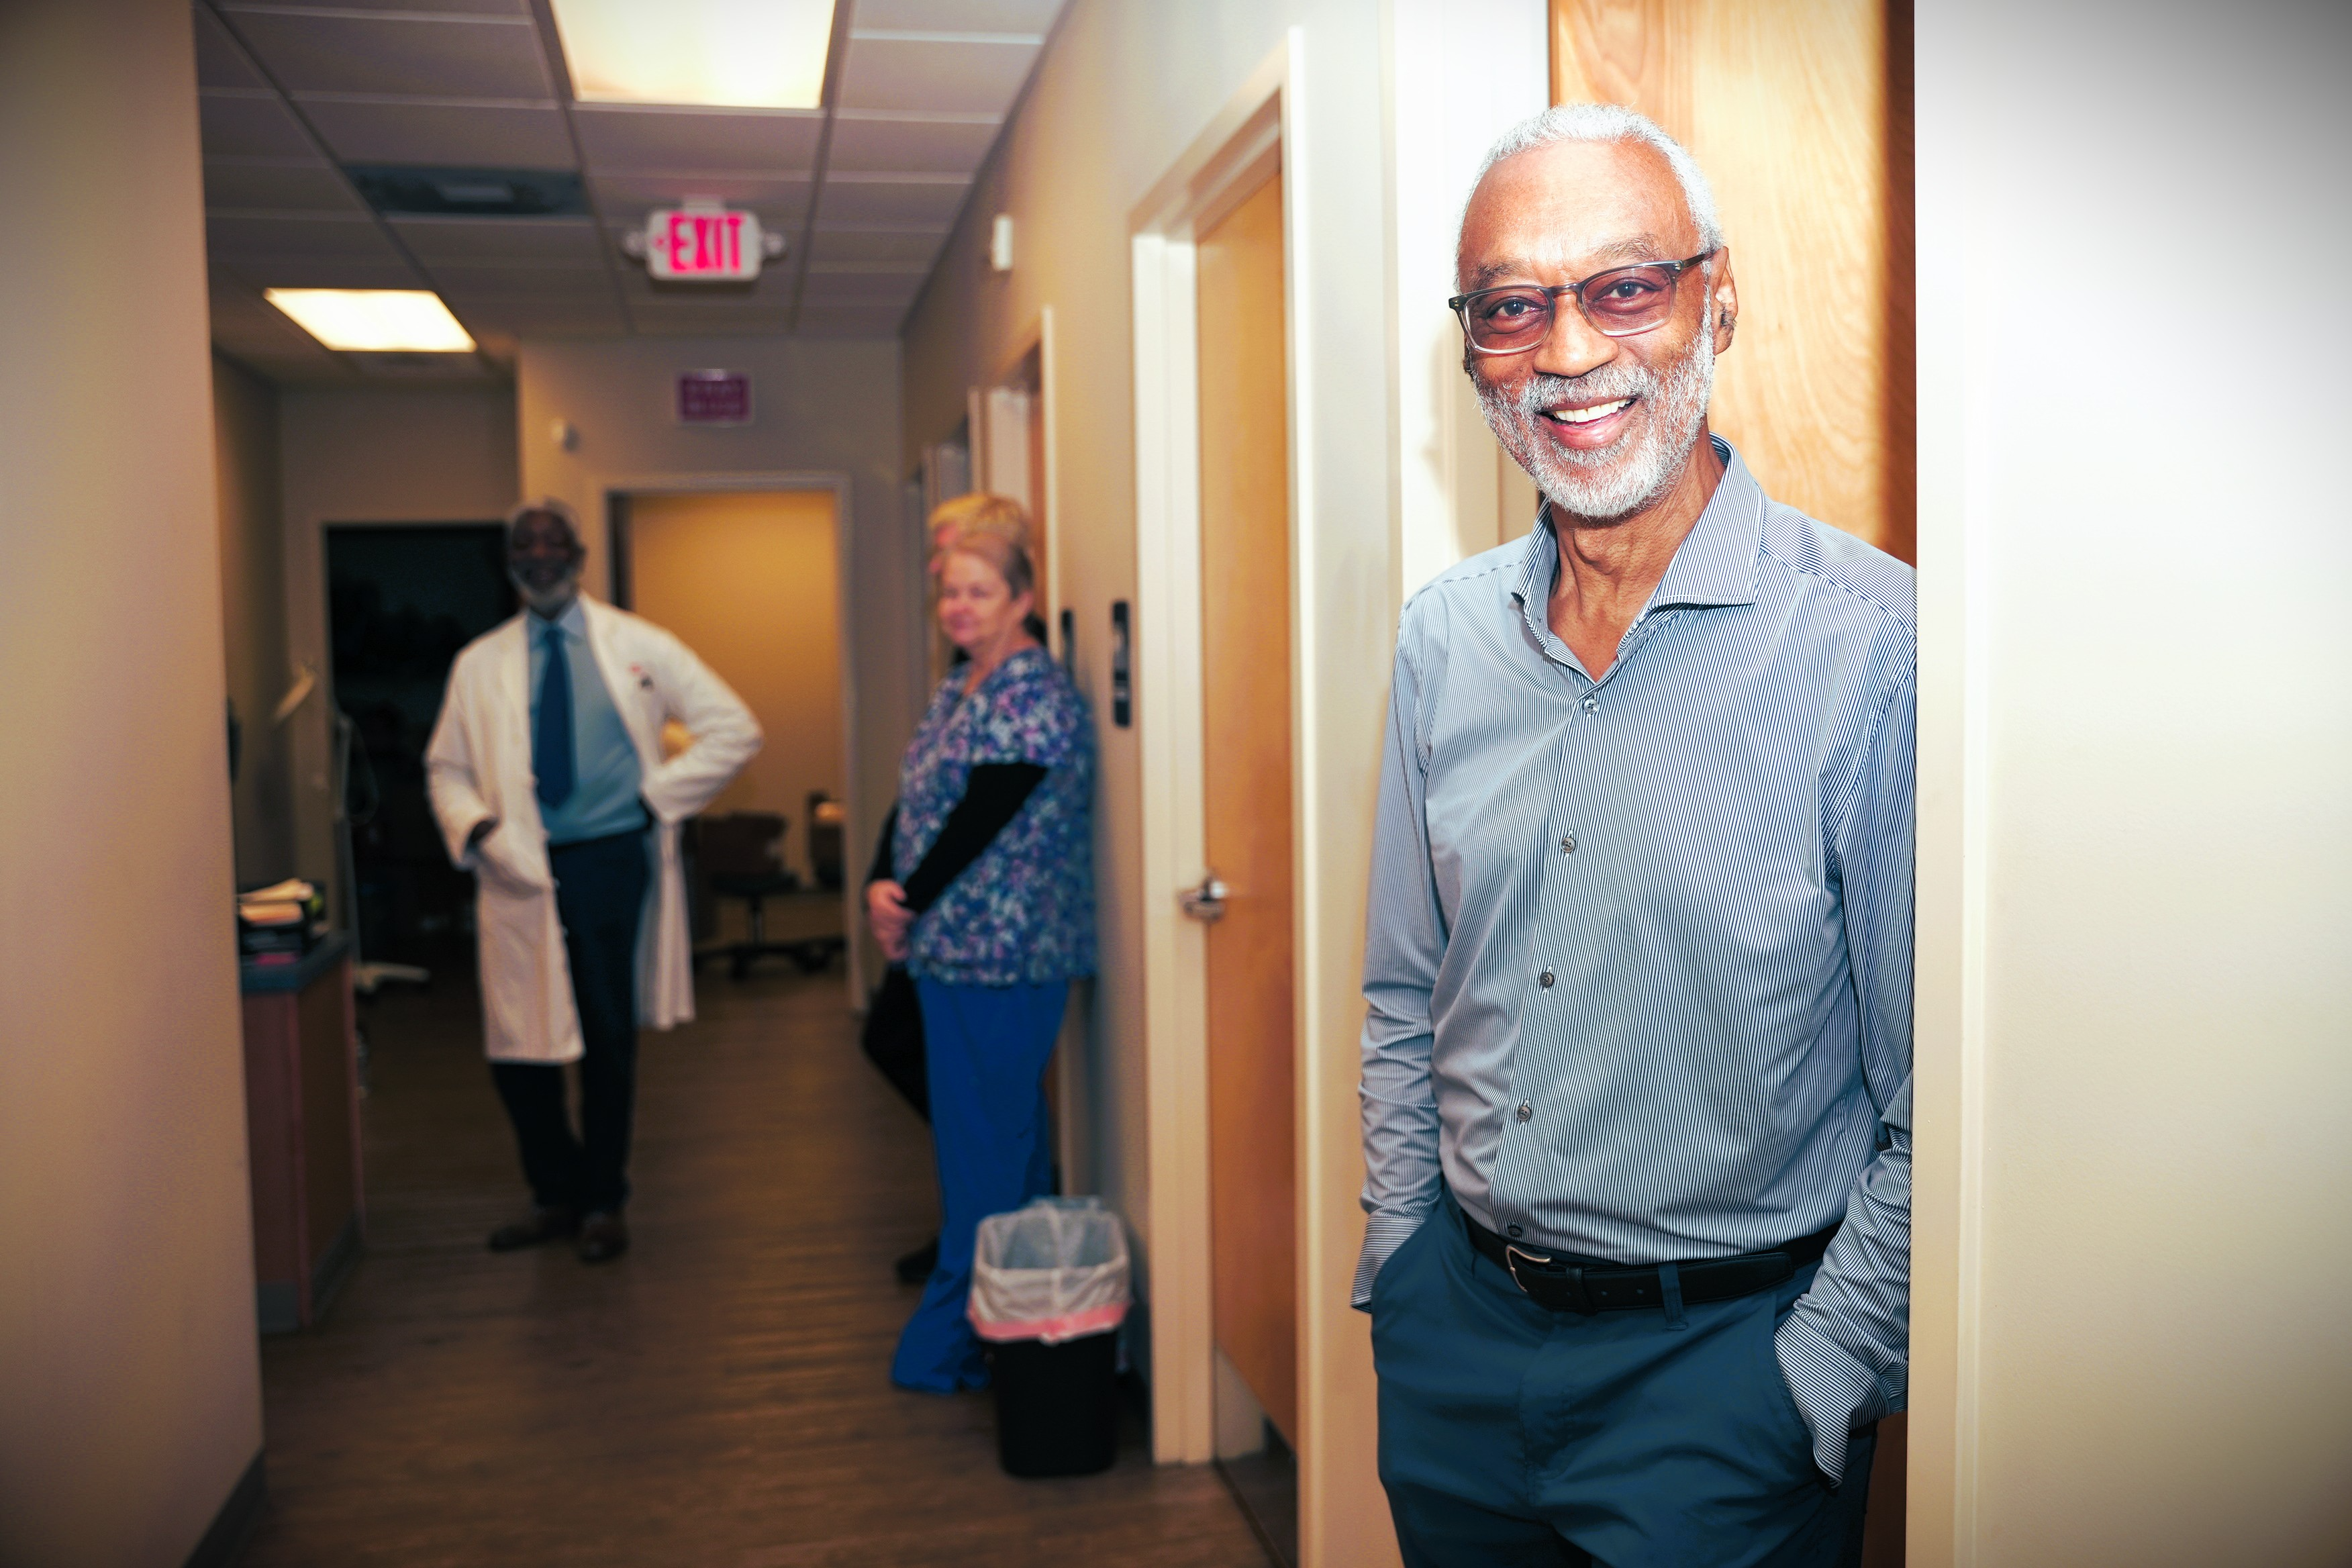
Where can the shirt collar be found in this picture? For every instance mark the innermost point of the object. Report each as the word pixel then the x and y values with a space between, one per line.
pixel 573 622
pixel 1715 563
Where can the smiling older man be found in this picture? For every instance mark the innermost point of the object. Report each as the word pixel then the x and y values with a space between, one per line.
pixel 1637 1063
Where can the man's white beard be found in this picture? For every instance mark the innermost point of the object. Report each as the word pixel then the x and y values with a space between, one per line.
pixel 553 601
pixel 1640 465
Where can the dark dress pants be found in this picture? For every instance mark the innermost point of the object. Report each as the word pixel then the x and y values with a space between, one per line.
pixel 1514 1434
pixel 600 894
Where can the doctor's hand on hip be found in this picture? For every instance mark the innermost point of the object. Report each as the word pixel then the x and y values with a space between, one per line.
pixel 886 912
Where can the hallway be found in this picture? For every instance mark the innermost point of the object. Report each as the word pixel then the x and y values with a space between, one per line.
pixel 717 1397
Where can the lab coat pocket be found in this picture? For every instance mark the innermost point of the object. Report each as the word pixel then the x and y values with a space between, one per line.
pixel 511 923
pixel 502 871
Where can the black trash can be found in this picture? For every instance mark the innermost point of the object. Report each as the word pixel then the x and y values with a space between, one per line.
pixel 1049 1289
pixel 1057 1406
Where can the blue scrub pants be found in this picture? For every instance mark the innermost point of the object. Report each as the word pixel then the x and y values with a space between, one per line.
pixel 985 1048
pixel 1512 1435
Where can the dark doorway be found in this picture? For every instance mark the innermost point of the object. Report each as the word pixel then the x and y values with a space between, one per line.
pixel 402 599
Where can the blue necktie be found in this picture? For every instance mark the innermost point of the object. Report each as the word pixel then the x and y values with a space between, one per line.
pixel 550 740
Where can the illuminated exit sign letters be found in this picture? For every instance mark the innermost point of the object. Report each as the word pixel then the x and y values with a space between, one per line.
pixel 704 244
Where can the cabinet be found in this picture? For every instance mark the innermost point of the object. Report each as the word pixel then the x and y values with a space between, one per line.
pixel 302 1132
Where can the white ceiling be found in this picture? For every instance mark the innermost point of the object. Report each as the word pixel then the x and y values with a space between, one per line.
pixel 864 189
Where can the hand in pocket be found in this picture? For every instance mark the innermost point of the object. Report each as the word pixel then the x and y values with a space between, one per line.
pixel 497 865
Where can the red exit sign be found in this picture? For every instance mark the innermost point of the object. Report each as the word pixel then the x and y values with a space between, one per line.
pixel 704 244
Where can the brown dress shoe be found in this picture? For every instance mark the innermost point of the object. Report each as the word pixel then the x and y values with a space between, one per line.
pixel 544 1225
pixel 603 1236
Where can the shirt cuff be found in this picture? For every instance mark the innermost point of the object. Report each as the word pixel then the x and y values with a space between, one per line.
pixel 1833 1390
pixel 1383 1234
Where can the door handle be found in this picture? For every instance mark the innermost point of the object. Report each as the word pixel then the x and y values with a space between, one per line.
pixel 1205 904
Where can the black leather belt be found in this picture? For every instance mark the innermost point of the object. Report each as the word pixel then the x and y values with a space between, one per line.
pixel 1567 1283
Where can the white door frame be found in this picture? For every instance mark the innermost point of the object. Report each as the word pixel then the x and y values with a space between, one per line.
pixel 853 832
pixel 1252 137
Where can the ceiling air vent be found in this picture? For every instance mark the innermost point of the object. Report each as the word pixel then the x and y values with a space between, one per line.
pixel 395 190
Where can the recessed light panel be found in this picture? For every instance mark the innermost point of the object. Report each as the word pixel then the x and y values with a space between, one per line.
pixel 722 54
pixel 375 321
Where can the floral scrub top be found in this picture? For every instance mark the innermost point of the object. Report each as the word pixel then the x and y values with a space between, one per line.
pixel 1023 912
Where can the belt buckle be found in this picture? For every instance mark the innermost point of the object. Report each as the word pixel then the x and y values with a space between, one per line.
pixel 1567 1277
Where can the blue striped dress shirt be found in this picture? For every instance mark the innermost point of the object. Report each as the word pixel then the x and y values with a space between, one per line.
pixel 1639 956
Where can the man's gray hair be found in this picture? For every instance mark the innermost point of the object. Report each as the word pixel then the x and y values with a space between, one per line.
pixel 553 507
pixel 1612 122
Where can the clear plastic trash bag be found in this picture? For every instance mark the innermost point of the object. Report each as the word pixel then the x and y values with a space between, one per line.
pixel 1053 1271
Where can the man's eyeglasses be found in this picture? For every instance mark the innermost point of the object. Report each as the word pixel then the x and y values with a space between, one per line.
pixel 1621 302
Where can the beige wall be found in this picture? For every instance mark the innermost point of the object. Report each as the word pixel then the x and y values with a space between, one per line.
pixel 252 614
pixel 2132 1256
pixel 1391 486
pixel 821 408
pixel 129 1395
pixel 410 455
pixel 749 580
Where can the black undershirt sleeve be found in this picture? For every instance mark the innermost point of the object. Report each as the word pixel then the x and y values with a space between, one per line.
pixel 991 798
pixel 882 871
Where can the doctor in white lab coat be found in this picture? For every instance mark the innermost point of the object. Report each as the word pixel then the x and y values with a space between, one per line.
pixel 548 779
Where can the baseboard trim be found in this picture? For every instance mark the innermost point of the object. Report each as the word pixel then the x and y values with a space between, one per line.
pixel 232 1527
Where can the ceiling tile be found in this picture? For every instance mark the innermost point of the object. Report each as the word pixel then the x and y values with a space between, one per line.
pixel 920 146
pixel 912 249
pixel 457 136
pixel 270 236
pixel 861 287
pixel 849 322
pixel 479 281
pixel 219 62
pixel 433 240
pixel 958 15
pixel 316 368
pixel 247 320
pixel 706 322
pixel 773 287
pixel 619 139
pixel 260 126
pixel 543 318
pixel 260 272
pixel 396 52
pixel 316 187
pixel 922 73
pixel 860 202
pixel 624 199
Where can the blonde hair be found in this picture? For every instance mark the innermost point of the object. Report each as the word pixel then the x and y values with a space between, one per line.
pixel 994 529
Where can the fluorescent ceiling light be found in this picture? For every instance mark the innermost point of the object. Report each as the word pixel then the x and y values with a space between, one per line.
pixel 725 54
pixel 375 321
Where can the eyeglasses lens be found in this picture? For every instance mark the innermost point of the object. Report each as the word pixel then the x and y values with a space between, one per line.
pixel 1619 304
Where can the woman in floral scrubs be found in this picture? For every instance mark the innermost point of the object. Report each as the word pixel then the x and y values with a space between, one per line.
pixel 994 914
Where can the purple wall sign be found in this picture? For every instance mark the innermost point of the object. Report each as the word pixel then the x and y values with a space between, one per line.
pixel 714 397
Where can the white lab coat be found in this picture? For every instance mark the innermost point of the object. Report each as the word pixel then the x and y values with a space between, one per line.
pixel 478 765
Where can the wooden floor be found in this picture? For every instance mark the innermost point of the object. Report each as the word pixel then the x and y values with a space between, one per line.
pixel 716 1399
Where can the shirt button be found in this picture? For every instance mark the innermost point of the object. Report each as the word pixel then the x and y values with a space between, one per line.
pixel 1513 1231
pixel 1568 843
pixel 1527 1109
pixel 1544 979
pixel 1591 703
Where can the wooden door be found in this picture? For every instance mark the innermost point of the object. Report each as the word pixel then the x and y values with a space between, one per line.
pixel 1799 112
pixel 1246 764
